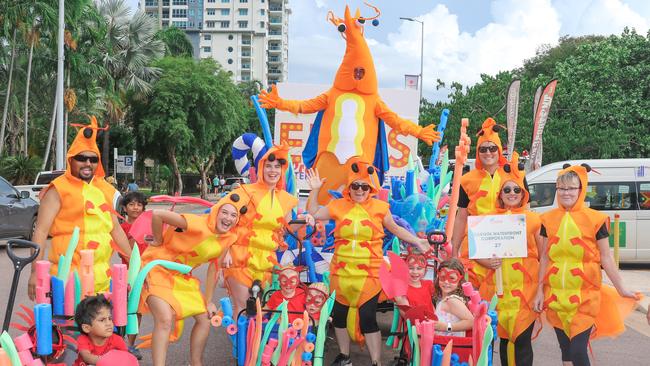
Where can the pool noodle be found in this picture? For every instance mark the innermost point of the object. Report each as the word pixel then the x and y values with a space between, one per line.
pixel 43 322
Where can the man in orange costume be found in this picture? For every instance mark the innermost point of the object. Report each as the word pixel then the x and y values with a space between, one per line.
pixel 478 194
pixel 80 198
pixel 351 113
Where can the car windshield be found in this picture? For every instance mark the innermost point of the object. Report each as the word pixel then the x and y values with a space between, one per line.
pixel 233 180
pixel 46 178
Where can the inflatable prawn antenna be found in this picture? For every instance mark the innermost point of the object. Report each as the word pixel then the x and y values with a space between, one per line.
pixel 351 114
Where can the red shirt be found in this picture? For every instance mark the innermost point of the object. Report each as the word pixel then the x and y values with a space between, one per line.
pixel 84 343
pixel 296 303
pixel 141 246
pixel 421 296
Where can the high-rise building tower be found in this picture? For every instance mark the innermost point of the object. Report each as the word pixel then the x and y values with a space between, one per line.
pixel 247 37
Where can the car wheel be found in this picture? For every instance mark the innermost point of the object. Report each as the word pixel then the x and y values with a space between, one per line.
pixel 30 234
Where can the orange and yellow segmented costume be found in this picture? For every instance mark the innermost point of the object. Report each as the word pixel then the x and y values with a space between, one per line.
pixel 519 275
pixel 572 282
pixel 260 229
pixel 358 254
pixel 482 190
pixel 87 205
pixel 352 112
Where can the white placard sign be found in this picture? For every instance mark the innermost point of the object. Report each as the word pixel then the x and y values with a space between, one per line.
pixel 497 236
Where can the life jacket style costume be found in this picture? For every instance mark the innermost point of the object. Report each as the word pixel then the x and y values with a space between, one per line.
pixel 198 244
pixel 519 275
pixel 260 229
pixel 351 114
pixel 88 206
pixel 573 287
pixel 482 190
pixel 358 234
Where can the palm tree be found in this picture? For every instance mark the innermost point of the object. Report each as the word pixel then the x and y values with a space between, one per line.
pixel 176 42
pixel 129 47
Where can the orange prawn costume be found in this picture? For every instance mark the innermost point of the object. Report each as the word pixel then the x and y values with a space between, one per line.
pixel 482 190
pixel 351 114
pixel 575 299
pixel 259 230
pixel 198 244
pixel 519 275
pixel 88 206
pixel 358 242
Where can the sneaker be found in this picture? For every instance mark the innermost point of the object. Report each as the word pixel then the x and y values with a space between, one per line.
pixel 135 352
pixel 342 360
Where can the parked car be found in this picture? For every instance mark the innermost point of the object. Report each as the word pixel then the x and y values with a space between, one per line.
pixel 236 181
pixel 616 187
pixel 42 180
pixel 17 212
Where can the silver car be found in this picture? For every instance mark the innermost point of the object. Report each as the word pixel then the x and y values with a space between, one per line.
pixel 17 212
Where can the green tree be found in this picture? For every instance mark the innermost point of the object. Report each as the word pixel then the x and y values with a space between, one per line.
pixel 176 42
pixel 193 112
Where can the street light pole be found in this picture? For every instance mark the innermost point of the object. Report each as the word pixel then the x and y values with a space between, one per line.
pixel 421 52
pixel 60 127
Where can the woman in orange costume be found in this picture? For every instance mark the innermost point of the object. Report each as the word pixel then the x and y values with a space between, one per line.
pixel 519 275
pixel 354 269
pixel 260 230
pixel 351 112
pixel 575 246
pixel 478 196
pixel 81 198
pixel 192 240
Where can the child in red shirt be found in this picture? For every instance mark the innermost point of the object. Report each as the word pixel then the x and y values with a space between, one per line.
pixel 290 291
pixel 420 292
pixel 134 204
pixel 94 318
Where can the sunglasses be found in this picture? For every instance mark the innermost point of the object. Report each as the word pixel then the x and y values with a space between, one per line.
pixel 363 187
pixel 507 190
pixel 84 158
pixel 485 149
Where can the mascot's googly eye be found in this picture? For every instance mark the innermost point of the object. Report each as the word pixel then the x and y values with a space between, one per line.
pixel 375 22
pixel 586 166
pixel 506 168
pixel 271 157
pixel 355 168
pixel 496 128
pixel 88 132
pixel 480 133
pixel 341 27
pixel 520 166
pixel 371 170
pixel 234 197
pixel 243 210
pixel 360 22
pixel 282 161
pixel 566 165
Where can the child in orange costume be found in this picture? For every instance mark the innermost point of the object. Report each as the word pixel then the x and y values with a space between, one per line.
pixel 360 221
pixel 81 198
pixel 192 240
pixel 478 195
pixel 575 247
pixel 252 256
pixel 519 275
pixel 351 113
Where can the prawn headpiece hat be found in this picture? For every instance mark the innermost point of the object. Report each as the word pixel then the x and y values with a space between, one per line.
pixel 490 132
pixel 231 198
pixel 581 171
pixel 86 140
pixel 515 172
pixel 359 170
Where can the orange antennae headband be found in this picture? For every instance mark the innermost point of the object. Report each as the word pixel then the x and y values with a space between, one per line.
pixel 377 11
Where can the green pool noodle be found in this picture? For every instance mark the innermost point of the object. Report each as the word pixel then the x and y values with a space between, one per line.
pixel 64 265
pixel 77 288
pixel 487 339
pixel 136 290
pixel 431 189
pixel 326 278
pixel 321 334
pixel 493 303
pixel 416 347
pixel 393 327
pixel 402 192
pixel 267 332
pixel 284 324
pixel 409 331
pixel 10 348
pixel 59 266
pixel 135 262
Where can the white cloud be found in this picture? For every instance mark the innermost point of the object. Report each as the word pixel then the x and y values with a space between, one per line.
pixel 514 34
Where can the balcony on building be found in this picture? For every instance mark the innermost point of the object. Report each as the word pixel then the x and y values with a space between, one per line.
pixel 275 72
pixel 275 48
pixel 245 66
pixel 246 42
pixel 151 3
pixel 274 59
pixel 245 54
pixel 165 3
pixel 275 20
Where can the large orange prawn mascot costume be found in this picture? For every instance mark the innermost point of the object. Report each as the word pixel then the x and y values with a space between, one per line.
pixel 351 114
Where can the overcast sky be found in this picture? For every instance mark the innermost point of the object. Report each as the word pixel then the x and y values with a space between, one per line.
pixel 462 38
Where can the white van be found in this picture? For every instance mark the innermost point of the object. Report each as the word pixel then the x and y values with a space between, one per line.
pixel 619 186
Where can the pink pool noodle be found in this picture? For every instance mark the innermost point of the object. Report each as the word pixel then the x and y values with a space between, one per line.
pixel 474 297
pixel 68 304
pixel 426 330
pixel 36 362
pixel 119 275
pixel 26 357
pixel 42 282
pixel 87 273
pixel 268 351
pixel 23 342
pixel 383 194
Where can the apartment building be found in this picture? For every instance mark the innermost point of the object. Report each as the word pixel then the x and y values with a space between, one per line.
pixel 249 38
